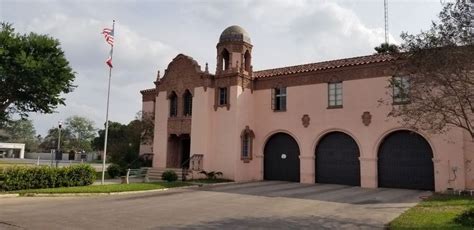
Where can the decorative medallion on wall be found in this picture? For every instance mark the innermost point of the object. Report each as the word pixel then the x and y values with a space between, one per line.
pixel 305 120
pixel 366 118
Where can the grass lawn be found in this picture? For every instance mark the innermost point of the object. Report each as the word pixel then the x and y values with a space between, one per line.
pixel 437 212
pixel 106 188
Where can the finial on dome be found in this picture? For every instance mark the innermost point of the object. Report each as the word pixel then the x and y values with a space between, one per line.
pixel 207 68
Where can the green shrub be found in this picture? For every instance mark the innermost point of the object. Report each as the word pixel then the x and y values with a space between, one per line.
pixel 115 170
pixel 466 218
pixel 18 178
pixel 169 176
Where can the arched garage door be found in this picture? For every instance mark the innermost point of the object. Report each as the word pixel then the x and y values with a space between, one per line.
pixel 281 158
pixel 337 160
pixel 405 161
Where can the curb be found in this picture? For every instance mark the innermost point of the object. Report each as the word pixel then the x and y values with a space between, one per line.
pixel 108 193
pixel 9 195
pixel 95 194
pixel 215 184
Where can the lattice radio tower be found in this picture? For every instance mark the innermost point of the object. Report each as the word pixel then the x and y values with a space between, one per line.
pixel 385 5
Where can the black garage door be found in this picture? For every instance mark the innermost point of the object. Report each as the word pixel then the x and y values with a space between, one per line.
pixel 337 160
pixel 405 161
pixel 281 158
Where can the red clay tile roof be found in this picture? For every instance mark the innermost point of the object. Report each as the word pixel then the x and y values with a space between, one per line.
pixel 147 91
pixel 324 65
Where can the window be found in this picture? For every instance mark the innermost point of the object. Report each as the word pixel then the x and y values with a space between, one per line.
pixel 173 104
pixel 279 99
pixel 188 103
pixel 222 96
pixel 401 88
pixel 247 60
pixel 246 137
pixel 225 60
pixel 245 146
pixel 335 95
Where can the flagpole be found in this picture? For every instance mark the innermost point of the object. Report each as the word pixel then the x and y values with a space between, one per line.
pixel 104 156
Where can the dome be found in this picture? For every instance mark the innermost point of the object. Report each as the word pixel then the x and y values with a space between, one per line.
pixel 233 34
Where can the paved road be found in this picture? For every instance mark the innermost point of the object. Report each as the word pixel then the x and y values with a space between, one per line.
pixel 256 205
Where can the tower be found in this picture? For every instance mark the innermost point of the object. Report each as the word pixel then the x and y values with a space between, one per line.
pixel 234 52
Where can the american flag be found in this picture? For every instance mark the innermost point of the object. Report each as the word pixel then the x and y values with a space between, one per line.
pixel 108 35
pixel 109 38
pixel 109 60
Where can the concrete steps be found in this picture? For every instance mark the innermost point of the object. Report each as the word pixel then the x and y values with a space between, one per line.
pixel 154 174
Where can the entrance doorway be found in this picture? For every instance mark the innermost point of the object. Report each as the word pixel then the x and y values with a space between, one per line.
pixel 281 158
pixel 405 160
pixel 337 160
pixel 179 151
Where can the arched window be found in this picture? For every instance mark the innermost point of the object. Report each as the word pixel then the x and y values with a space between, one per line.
pixel 247 61
pixel 173 104
pixel 225 59
pixel 188 103
pixel 246 138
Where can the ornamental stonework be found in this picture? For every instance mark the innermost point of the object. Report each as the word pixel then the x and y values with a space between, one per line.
pixel 305 120
pixel 366 118
pixel 179 126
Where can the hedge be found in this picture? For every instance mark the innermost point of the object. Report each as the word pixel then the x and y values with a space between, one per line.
pixel 18 178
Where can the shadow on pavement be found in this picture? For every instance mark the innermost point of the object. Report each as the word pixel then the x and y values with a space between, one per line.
pixel 309 222
pixel 322 192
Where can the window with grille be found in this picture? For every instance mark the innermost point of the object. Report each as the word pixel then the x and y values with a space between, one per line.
pixel 279 99
pixel 246 138
pixel 401 88
pixel 245 146
pixel 335 95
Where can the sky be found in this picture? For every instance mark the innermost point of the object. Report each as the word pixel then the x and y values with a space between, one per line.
pixel 150 33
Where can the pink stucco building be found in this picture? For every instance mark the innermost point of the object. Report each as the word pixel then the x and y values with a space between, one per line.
pixel 311 123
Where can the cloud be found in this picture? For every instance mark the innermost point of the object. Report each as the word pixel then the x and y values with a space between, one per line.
pixel 150 33
pixel 292 32
pixel 136 60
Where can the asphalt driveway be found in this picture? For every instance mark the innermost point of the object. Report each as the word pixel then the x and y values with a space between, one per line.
pixel 256 205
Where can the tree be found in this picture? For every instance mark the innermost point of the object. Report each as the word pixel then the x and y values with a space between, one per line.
pixel 51 140
pixel 82 131
pixel 146 125
pixel 387 48
pixel 34 73
pixel 118 143
pixel 440 66
pixel 123 143
pixel 21 131
pixel 76 135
